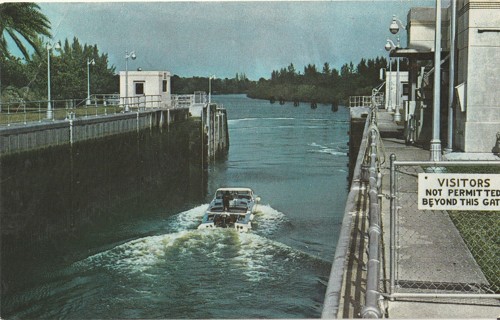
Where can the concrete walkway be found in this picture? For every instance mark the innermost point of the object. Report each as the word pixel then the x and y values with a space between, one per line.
pixel 431 249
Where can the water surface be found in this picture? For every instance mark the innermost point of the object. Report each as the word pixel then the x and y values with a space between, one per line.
pixel 152 262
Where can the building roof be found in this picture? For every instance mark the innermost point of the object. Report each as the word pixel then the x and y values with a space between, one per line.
pixel 414 54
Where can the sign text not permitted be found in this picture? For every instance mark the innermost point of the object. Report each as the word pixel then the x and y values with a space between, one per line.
pixel 453 191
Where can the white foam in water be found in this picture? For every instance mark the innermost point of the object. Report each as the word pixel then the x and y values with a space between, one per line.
pixel 134 256
pixel 189 219
pixel 267 220
pixel 256 253
pixel 231 121
pixel 258 257
pixel 323 149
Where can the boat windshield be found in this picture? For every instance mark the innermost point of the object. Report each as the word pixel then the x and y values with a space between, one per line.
pixel 239 194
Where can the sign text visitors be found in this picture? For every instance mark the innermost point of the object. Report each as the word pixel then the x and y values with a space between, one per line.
pixel 454 191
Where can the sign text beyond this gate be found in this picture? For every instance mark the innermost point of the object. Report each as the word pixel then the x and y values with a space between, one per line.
pixel 454 191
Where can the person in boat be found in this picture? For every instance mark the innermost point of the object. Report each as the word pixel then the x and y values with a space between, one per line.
pixel 225 200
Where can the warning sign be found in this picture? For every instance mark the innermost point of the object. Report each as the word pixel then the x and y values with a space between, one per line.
pixel 452 191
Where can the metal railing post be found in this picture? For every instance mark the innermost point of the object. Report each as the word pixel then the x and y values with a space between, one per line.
pixel 24 107
pixel 392 241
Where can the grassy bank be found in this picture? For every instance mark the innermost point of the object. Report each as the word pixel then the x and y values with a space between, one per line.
pixel 480 231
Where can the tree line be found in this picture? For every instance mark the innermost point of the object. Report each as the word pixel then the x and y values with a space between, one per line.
pixel 70 67
pixel 239 84
pixel 312 85
pixel 326 86
pixel 26 78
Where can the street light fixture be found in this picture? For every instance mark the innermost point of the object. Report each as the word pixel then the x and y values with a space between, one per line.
pixel 390 46
pixel 133 57
pixel 395 25
pixel 89 62
pixel 49 47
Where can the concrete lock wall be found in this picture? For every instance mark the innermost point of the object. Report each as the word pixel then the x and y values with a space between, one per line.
pixel 103 165
pixel 70 190
pixel 41 135
pixel 216 130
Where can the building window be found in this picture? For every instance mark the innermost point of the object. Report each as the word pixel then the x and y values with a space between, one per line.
pixel 165 85
pixel 139 88
pixel 406 89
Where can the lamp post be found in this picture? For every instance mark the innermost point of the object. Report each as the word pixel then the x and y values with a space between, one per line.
pixel 210 88
pixel 1 61
pixel 390 46
pixel 451 86
pixel 389 90
pixel 133 57
pixel 394 29
pixel 49 47
pixel 436 105
pixel 89 62
pixel 209 116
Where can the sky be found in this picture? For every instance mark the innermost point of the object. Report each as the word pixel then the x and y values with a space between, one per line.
pixel 224 38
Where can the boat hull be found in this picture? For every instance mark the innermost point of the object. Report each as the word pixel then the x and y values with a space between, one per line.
pixel 236 212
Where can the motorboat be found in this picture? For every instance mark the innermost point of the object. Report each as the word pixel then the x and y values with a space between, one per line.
pixel 231 208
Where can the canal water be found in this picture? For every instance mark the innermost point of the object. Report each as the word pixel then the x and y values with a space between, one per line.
pixel 145 258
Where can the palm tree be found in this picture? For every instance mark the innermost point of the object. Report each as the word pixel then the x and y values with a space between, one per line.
pixel 22 22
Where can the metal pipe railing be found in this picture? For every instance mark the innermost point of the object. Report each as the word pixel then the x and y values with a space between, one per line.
pixel 371 308
pixel 366 101
pixel 367 170
pixel 24 112
pixel 333 294
pixel 392 241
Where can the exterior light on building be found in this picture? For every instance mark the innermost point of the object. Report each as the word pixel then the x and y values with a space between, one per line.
pixel 89 62
pixel 390 46
pixel 49 47
pixel 395 25
pixel 132 56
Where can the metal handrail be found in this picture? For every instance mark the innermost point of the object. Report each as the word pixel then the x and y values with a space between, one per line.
pixel 366 101
pixel 24 112
pixel 370 141
pixel 371 308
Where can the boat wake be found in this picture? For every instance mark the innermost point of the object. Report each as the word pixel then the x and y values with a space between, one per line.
pixel 198 253
pixel 253 254
pixel 334 149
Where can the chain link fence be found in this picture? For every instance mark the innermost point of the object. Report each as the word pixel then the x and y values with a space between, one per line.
pixel 465 256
